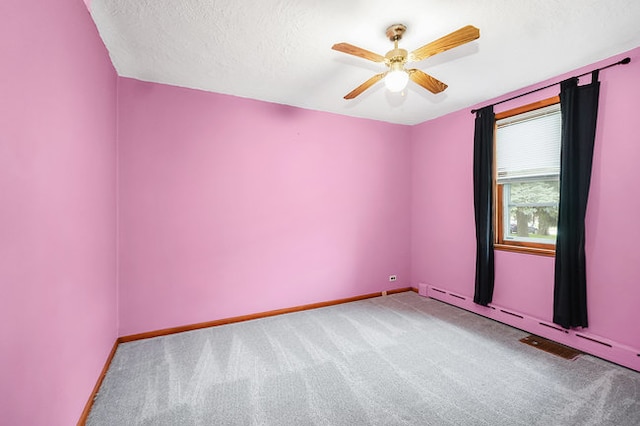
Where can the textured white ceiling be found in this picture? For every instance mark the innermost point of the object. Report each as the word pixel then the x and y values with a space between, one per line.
pixel 280 50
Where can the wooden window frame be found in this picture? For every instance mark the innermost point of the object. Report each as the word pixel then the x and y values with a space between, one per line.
pixel 499 242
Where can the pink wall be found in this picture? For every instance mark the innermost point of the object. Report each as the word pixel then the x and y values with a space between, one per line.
pixel 231 206
pixel 57 210
pixel 443 238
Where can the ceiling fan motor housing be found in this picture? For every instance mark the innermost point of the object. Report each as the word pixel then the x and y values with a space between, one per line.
pixel 396 56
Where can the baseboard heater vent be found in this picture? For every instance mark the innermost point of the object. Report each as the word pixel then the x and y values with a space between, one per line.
pixel 437 290
pixel 511 313
pixel 593 340
pixel 554 327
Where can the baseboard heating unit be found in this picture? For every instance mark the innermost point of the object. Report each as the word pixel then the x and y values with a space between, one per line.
pixel 578 339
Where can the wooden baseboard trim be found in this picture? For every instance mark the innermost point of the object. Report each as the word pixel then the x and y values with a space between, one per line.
pixel 401 290
pixel 190 327
pixel 96 388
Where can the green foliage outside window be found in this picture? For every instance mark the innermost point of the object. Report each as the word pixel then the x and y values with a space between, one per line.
pixel 533 208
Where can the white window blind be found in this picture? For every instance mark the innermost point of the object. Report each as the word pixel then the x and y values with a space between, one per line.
pixel 528 145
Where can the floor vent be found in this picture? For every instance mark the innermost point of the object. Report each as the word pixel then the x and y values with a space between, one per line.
pixel 550 347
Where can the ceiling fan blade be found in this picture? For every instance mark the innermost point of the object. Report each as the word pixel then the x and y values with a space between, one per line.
pixel 454 39
pixel 425 80
pixel 364 86
pixel 357 51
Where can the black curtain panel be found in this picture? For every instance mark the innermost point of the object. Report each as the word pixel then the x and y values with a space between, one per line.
pixel 579 106
pixel 483 201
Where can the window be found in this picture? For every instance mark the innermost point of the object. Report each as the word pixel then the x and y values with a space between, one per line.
pixel 527 171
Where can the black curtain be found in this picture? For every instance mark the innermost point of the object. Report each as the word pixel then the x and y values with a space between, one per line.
pixel 579 106
pixel 482 202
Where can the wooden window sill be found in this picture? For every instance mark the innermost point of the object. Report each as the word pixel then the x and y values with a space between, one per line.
pixel 551 252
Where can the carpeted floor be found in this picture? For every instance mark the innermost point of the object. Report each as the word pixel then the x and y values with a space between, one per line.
pixel 393 360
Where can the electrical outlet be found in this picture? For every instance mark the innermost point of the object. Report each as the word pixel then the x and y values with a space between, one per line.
pixel 392 278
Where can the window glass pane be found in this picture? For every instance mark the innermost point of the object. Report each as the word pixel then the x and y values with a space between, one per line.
pixel 531 211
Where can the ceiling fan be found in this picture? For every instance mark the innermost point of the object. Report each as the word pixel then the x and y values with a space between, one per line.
pixel 396 77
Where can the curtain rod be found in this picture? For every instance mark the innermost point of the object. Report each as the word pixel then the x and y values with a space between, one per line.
pixel 621 62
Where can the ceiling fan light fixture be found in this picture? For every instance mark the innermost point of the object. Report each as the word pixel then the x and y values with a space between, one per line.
pixel 397 77
pixel 396 80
